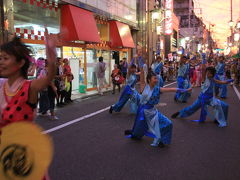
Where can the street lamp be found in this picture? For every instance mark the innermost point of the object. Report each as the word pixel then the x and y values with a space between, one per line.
pixel 155 15
pixel 238 25
pixel 236 37
pixel 231 23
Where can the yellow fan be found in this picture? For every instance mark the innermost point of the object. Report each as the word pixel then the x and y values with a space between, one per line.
pixel 25 153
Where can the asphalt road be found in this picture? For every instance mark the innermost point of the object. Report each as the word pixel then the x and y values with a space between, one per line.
pixel 95 148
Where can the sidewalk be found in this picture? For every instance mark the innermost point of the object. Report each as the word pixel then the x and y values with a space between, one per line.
pixel 77 95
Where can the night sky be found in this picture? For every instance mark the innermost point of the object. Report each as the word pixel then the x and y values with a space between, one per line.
pixel 218 12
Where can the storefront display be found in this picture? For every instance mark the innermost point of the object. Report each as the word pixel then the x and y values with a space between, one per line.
pixel 92 60
pixel 75 56
pixel 39 50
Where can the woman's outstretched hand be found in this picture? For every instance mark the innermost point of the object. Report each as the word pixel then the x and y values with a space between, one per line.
pixel 50 47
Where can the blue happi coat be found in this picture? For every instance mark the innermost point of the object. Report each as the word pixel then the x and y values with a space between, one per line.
pixel 220 75
pixel 206 99
pixel 157 69
pixel 183 82
pixel 149 121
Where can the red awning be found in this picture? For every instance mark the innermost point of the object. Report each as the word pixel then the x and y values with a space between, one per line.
pixel 120 35
pixel 78 24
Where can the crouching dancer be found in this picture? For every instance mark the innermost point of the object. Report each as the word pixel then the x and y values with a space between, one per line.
pixel 149 120
pixel 205 99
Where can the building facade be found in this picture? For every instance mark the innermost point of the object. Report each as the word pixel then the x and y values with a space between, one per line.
pixel 191 27
pixel 90 28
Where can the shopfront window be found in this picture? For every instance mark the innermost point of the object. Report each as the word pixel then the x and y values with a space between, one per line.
pixel 31 17
pixel 92 60
pixel 76 60
pixel 39 50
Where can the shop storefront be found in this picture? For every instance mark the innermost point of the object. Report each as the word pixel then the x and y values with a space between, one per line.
pixel 88 37
pixel 30 18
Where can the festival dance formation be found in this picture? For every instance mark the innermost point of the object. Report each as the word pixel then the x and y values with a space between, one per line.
pixel 142 91
pixel 149 121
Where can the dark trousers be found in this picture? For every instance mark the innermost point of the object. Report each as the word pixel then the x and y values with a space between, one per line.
pixel 61 96
pixel 114 87
pixel 43 102
pixel 69 93
pixel 46 101
pixel 51 99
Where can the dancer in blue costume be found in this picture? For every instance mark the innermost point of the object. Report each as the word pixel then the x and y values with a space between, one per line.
pixel 205 99
pixel 220 75
pixel 128 91
pixel 149 121
pixel 183 81
pixel 157 67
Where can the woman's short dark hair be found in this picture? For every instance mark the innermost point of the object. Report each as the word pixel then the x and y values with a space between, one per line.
pixel 150 75
pixel 100 59
pixel 211 70
pixel 20 51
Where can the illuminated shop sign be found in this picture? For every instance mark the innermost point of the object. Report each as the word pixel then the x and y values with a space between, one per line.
pixel 169 17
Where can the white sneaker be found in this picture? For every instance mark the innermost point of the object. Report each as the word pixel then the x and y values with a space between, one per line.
pixel 54 118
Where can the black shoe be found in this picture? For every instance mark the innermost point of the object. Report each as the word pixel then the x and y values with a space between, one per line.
pixel 223 97
pixel 135 138
pixel 59 105
pixel 175 99
pixel 161 145
pixel 113 92
pixel 216 122
pixel 175 115
pixel 184 101
pixel 127 132
pixel 111 110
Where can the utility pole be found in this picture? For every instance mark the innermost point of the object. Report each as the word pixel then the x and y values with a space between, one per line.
pixel 1 22
pixel 189 21
pixel 231 11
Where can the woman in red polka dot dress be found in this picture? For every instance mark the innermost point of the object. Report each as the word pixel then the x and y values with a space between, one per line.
pixel 19 96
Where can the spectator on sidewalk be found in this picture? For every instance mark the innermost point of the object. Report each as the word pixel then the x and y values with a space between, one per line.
pixel 47 96
pixel 124 67
pixel 69 77
pixel 43 97
pixel 100 72
pixel 60 83
pixel 116 78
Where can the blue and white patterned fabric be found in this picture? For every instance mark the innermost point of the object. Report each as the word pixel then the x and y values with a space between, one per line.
pixel 206 99
pixel 149 121
pixel 183 82
pixel 126 94
pixel 220 75
pixel 157 69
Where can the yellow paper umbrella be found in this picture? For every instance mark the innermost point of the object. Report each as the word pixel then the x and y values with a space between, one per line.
pixel 25 153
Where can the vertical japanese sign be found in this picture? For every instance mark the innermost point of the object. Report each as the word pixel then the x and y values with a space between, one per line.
pixel 169 17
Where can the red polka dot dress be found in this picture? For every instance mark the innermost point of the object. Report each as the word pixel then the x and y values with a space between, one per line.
pixel 18 108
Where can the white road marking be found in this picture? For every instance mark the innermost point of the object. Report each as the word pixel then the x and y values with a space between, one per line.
pixel 83 117
pixel 236 91
pixel 170 84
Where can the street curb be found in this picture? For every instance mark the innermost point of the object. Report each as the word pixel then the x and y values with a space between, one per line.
pixel 90 95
